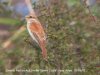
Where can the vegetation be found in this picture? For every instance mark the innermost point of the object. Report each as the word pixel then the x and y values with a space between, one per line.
pixel 73 42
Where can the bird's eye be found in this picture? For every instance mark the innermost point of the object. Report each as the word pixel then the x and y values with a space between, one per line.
pixel 30 17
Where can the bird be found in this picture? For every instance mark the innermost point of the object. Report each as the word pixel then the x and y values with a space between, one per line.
pixel 37 33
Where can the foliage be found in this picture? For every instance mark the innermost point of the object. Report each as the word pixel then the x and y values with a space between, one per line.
pixel 73 42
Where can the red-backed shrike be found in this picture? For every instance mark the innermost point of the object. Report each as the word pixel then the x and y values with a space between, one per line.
pixel 37 33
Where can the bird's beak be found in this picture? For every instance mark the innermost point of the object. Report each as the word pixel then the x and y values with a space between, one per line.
pixel 26 17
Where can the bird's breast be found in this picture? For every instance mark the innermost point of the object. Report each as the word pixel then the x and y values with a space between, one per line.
pixel 31 34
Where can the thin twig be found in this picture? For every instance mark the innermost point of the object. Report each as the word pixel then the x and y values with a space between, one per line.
pixel 29 4
pixel 15 36
pixel 91 15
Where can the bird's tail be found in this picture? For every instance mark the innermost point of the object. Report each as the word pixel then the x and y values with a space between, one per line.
pixel 44 51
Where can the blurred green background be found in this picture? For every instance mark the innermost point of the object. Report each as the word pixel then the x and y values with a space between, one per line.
pixel 73 39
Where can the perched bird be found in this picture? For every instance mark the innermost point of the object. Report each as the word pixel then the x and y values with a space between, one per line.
pixel 37 33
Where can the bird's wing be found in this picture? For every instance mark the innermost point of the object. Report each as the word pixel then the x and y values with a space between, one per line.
pixel 37 28
pixel 38 32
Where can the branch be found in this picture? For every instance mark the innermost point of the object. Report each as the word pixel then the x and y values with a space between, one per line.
pixel 16 35
pixel 88 8
pixel 28 2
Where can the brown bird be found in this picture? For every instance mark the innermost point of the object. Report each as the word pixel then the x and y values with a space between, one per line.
pixel 37 33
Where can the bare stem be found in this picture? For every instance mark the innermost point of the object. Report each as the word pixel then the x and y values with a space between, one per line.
pixel 29 4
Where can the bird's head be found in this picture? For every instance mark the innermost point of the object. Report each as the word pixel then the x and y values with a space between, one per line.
pixel 30 18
